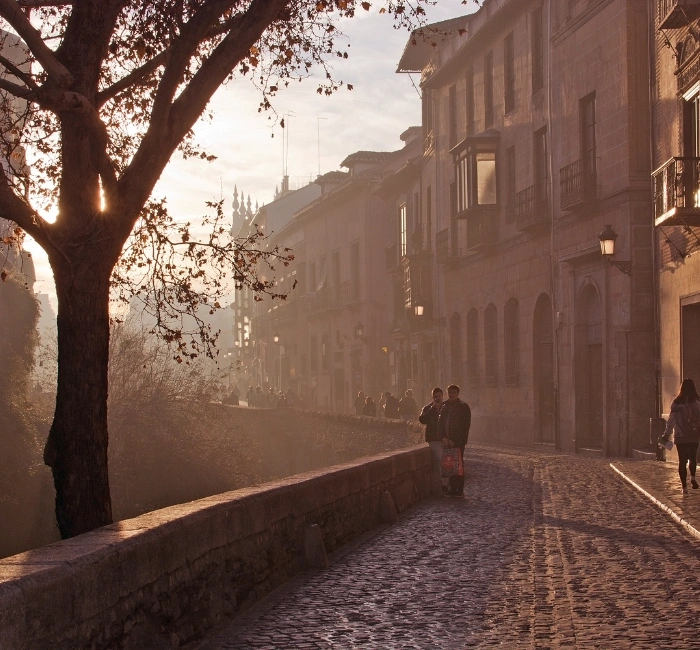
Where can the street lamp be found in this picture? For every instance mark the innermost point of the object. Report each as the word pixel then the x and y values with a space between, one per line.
pixel 418 309
pixel 607 250
pixel 359 330
pixel 276 338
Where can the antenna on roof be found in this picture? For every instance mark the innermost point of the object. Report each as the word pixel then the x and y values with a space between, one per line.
pixel 318 129
pixel 285 140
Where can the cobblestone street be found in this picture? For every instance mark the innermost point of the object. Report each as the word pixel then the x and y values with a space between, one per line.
pixel 545 551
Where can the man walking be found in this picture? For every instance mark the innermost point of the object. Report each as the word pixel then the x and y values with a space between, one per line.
pixel 429 417
pixel 453 427
pixel 408 407
pixel 391 406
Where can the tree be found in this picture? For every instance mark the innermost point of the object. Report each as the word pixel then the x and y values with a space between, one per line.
pixel 110 90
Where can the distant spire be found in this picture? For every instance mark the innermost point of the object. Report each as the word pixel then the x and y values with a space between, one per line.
pixel 277 191
pixel 256 207
pixel 249 210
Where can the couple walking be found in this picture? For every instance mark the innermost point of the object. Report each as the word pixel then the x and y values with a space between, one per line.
pixel 447 426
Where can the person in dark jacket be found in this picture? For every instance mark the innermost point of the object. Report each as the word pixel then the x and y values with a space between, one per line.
pixel 429 417
pixel 370 408
pixel 454 423
pixel 359 403
pixel 684 423
pixel 391 406
pixel 408 408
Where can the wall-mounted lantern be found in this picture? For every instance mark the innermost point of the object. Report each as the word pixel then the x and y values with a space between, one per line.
pixel 607 249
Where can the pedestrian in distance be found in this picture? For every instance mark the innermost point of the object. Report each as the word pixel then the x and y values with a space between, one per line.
pixel 259 398
pixel 382 404
pixel 454 423
pixel 408 409
pixel 391 406
pixel 370 407
pixel 250 396
pixel 359 403
pixel 684 424
pixel 429 417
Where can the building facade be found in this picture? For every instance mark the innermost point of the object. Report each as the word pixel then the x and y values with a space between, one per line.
pixel 536 136
pixel 676 218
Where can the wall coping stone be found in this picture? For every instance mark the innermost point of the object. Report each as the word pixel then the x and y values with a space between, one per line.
pixel 211 557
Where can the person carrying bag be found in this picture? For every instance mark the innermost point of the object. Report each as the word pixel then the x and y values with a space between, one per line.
pixel 684 424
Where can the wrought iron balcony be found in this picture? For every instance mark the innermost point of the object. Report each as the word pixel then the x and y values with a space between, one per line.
pixel 419 240
pixel 531 211
pixel 482 228
pixel 674 14
pixel 677 193
pixel 444 252
pixel 577 184
pixel 349 293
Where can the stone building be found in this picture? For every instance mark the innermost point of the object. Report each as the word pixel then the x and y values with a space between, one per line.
pixel 535 137
pixel 676 215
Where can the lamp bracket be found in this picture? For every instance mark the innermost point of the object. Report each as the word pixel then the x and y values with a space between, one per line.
pixel 625 267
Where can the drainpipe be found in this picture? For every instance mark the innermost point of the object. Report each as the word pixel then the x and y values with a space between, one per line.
pixel 552 243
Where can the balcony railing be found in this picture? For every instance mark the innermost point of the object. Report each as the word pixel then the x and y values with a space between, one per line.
pixel 420 242
pixel 577 184
pixel 531 211
pixel 284 312
pixel 444 251
pixel 482 229
pixel 677 193
pixel 674 14
pixel 349 293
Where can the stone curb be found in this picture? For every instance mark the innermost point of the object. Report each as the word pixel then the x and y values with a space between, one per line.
pixel 669 511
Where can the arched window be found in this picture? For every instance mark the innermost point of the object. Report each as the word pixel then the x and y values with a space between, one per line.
pixel 511 341
pixel 473 348
pixel 456 347
pixel 490 346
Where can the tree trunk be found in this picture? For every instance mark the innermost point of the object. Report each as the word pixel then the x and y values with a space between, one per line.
pixel 76 449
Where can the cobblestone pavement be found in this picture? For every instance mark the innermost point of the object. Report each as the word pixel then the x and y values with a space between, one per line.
pixel 545 551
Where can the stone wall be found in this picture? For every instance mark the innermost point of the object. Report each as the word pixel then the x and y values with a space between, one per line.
pixel 162 579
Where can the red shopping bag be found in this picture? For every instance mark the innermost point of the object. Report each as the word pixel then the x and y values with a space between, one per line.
pixel 452 464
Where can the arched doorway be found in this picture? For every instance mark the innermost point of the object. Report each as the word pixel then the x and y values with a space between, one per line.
pixel 543 368
pixel 589 369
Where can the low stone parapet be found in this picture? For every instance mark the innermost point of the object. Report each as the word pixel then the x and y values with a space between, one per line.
pixel 164 578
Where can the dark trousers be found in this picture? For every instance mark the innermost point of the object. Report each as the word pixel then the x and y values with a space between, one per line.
pixel 457 482
pixel 687 453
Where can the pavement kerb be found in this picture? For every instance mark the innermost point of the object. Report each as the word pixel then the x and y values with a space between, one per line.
pixel 679 520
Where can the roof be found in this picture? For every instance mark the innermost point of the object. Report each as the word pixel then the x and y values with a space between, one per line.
pixel 422 43
pixel 396 182
pixel 373 157
pixel 332 177
pixel 411 132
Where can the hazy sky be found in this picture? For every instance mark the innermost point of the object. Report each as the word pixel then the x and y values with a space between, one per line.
pixel 371 116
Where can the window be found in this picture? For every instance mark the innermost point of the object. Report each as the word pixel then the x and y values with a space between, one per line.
pixel 475 171
pixel 312 277
pixel 453 115
pixel 541 167
pixel 469 101
pixel 301 278
pixel 537 32
pixel 336 272
pixel 490 346
pixel 427 113
pixel 355 270
pixel 588 149
pixel 510 184
pixel 429 217
pixel 456 347
pixel 473 348
pixel 488 90
pixel 403 229
pixel 313 353
pixel 325 352
pixel 511 340
pixel 509 73
pixel 691 127
pixel 407 286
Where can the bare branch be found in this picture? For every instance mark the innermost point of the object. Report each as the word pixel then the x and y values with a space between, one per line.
pixel 30 4
pixel 23 76
pixel 13 14
pixel 17 90
pixel 134 77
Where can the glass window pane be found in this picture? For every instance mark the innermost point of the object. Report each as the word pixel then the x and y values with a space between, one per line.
pixel 486 178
